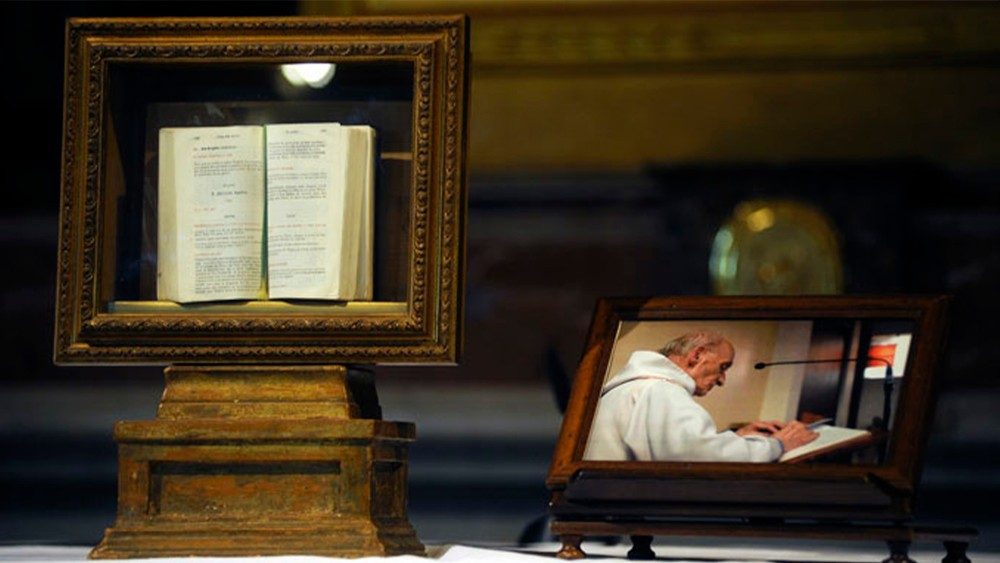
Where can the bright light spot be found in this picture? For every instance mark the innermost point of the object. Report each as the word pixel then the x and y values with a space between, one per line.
pixel 314 75
pixel 761 219
pixel 723 260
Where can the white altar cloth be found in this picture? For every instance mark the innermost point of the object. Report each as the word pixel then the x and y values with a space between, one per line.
pixel 842 553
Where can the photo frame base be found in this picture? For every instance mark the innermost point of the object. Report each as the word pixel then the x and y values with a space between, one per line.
pixel 898 537
pixel 262 460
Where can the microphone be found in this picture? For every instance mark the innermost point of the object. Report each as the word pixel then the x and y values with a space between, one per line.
pixel 762 365
pixel 886 385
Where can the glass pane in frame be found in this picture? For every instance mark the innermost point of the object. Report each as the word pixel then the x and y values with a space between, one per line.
pixel 824 372
pixel 127 77
pixel 145 97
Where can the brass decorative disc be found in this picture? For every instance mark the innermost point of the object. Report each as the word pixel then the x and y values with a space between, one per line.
pixel 776 247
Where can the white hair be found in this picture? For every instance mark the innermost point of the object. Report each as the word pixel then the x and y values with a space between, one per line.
pixel 683 344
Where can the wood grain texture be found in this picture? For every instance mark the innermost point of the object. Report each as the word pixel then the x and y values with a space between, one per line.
pixel 276 461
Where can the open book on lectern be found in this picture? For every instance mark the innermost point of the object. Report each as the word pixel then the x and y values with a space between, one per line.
pixel 265 212
pixel 831 439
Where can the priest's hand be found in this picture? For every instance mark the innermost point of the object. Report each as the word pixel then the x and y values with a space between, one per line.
pixel 761 428
pixel 794 434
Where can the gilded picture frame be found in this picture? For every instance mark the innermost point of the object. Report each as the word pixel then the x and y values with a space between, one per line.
pixel 419 321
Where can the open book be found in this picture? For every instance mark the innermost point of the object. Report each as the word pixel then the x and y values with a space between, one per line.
pixel 258 212
pixel 831 439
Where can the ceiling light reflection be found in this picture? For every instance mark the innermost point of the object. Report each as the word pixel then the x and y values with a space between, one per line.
pixel 314 75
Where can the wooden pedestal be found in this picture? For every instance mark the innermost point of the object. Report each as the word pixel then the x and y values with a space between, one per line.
pixel 262 461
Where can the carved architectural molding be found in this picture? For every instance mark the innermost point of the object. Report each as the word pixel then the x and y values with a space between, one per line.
pixel 666 82
pixel 605 34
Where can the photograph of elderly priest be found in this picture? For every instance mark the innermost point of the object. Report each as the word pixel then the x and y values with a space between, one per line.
pixel 647 411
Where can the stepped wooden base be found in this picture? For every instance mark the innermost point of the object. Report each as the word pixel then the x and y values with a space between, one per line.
pixel 344 538
pixel 251 478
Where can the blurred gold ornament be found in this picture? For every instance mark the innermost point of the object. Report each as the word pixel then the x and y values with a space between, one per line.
pixel 776 247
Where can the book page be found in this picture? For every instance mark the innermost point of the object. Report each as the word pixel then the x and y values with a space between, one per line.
pixel 828 436
pixel 211 213
pixel 359 234
pixel 305 210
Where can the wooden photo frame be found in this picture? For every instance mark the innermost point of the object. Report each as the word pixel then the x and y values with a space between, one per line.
pixel 640 487
pixel 125 79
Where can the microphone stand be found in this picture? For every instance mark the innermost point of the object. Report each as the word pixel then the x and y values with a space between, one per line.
pixel 886 385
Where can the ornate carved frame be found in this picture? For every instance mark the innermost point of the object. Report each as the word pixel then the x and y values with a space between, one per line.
pixel 426 328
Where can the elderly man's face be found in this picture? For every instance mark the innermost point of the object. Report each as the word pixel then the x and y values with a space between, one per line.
pixel 708 367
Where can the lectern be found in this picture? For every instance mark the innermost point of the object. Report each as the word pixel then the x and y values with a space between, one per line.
pixel 269 438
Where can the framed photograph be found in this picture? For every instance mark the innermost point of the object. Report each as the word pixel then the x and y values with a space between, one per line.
pixel 793 407
pixel 286 190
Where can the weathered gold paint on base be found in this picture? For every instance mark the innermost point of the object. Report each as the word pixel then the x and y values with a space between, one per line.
pixel 262 461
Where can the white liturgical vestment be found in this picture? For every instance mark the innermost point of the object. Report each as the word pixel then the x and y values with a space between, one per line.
pixel 647 412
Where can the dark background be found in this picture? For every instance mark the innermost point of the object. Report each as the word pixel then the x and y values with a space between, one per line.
pixel 543 244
